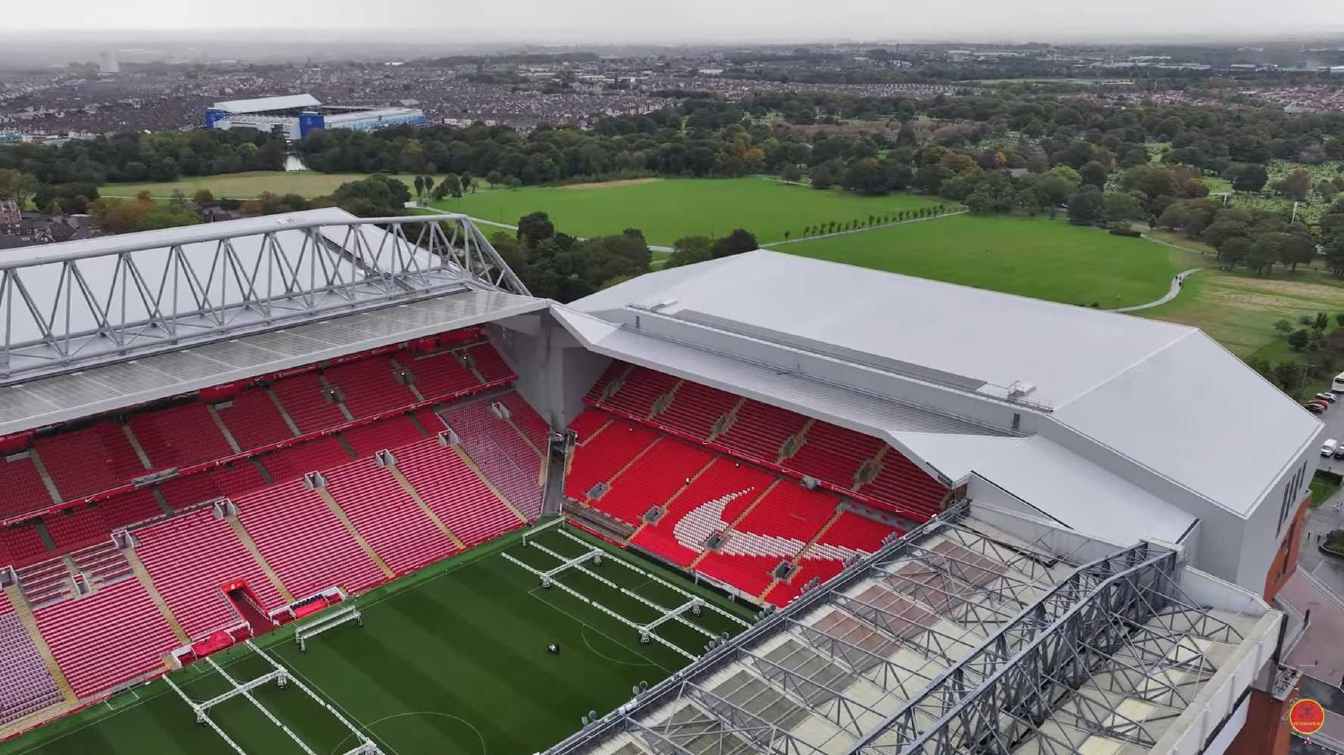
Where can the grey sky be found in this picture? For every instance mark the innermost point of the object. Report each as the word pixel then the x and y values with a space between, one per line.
pixel 594 21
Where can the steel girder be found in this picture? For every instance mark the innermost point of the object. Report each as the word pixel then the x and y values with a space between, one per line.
pixel 115 301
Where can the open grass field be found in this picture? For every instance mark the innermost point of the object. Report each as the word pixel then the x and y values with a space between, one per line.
pixel 245 185
pixel 452 660
pixel 1239 310
pixel 1046 259
pixel 666 210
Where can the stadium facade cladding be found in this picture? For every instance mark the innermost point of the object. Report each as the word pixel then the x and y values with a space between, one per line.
pixel 296 116
pixel 1072 437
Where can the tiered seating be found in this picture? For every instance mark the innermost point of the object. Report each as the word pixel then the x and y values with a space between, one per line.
pixel 586 425
pixel 454 492
pixel 834 453
pixel 600 458
pixel 304 541
pixel 253 420
pixel 502 455
pixel 387 433
pixel 309 456
pixel 23 487
pixel 721 483
pixel 305 403
pixel 760 431
pixel 89 460
pixel 46 582
pixel 857 532
pixel 489 363
pixel 232 480
pixel 107 638
pixel 696 408
pixel 102 564
pixel 439 374
pixel 392 523
pixel 369 386
pixel 809 569
pixel 790 513
pixel 640 391
pixel 21 545
pixel 179 436
pixel 831 454
pixel 750 574
pixel 25 685
pixel 657 477
pixel 191 557
pixel 128 508
pixel 75 528
pixel 526 418
pixel 902 482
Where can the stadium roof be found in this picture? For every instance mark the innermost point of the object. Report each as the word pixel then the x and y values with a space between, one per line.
pixel 267 104
pixel 979 631
pixel 97 325
pixel 1164 396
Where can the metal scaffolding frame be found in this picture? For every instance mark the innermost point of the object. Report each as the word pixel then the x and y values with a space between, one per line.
pixel 1059 644
pixel 70 306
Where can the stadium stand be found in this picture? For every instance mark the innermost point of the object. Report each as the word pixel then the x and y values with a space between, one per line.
pixel 46 582
pixel 386 433
pixel 195 595
pixel 25 684
pixel 179 436
pixel 394 526
pixel 253 419
pixel 487 361
pixel 508 459
pixel 307 403
pixel 604 455
pixel 23 486
pixel 439 374
pixel 304 541
pixel 96 660
pixel 454 492
pixel 768 435
pixel 89 460
pixel 369 386
pixel 22 543
pixel 301 458
pixel 657 477
pixel 101 565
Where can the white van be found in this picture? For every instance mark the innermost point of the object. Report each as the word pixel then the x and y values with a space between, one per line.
pixel 1328 447
pixel 1337 385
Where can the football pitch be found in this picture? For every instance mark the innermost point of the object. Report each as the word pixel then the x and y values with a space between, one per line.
pixel 454 659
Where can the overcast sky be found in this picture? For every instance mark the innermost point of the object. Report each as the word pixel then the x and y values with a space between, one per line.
pixel 614 21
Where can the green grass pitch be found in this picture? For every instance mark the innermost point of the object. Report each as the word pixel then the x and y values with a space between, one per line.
pixel 666 210
pixel 1046 259
pixel 452 660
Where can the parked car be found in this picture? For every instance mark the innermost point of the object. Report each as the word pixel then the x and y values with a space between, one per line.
pixel 1323 405
pixel 1314 408
pixel 1328 447
pixel 1327 397
pixel 1339 452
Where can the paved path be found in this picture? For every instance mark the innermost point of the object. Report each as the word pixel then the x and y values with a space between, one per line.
pixel 1172 292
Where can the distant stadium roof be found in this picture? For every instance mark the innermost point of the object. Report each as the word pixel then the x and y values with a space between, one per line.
pixel 1166 397
pixel 978 632
pixel 97 325
pixel 267 104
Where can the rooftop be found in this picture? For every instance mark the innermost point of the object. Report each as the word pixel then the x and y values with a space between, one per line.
pixel 979 629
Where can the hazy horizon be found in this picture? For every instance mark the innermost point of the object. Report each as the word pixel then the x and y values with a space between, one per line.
pixel 691 22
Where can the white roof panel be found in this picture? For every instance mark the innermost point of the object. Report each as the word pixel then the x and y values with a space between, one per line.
pixel 264 104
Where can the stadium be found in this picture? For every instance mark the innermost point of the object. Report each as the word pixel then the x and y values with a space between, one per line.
pixel 297 115
pixel 317 482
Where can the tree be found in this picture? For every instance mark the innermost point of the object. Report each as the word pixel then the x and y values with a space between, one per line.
pixel 419 186
pixel 17 185
pixel 791 173
pixel 1288 374
pixel 450 186
pixel 1299 339
pixel 203 197
pixel 1120 207
pixel 689 250
pixel 1094 174
pixel 1334 257
pixel 1284 327
pixel 534 229
pixel 1234 251
pixel 737 242
pixel 1087 207
pixel 1249 177
pixel 1296 185
pixel 1263 253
